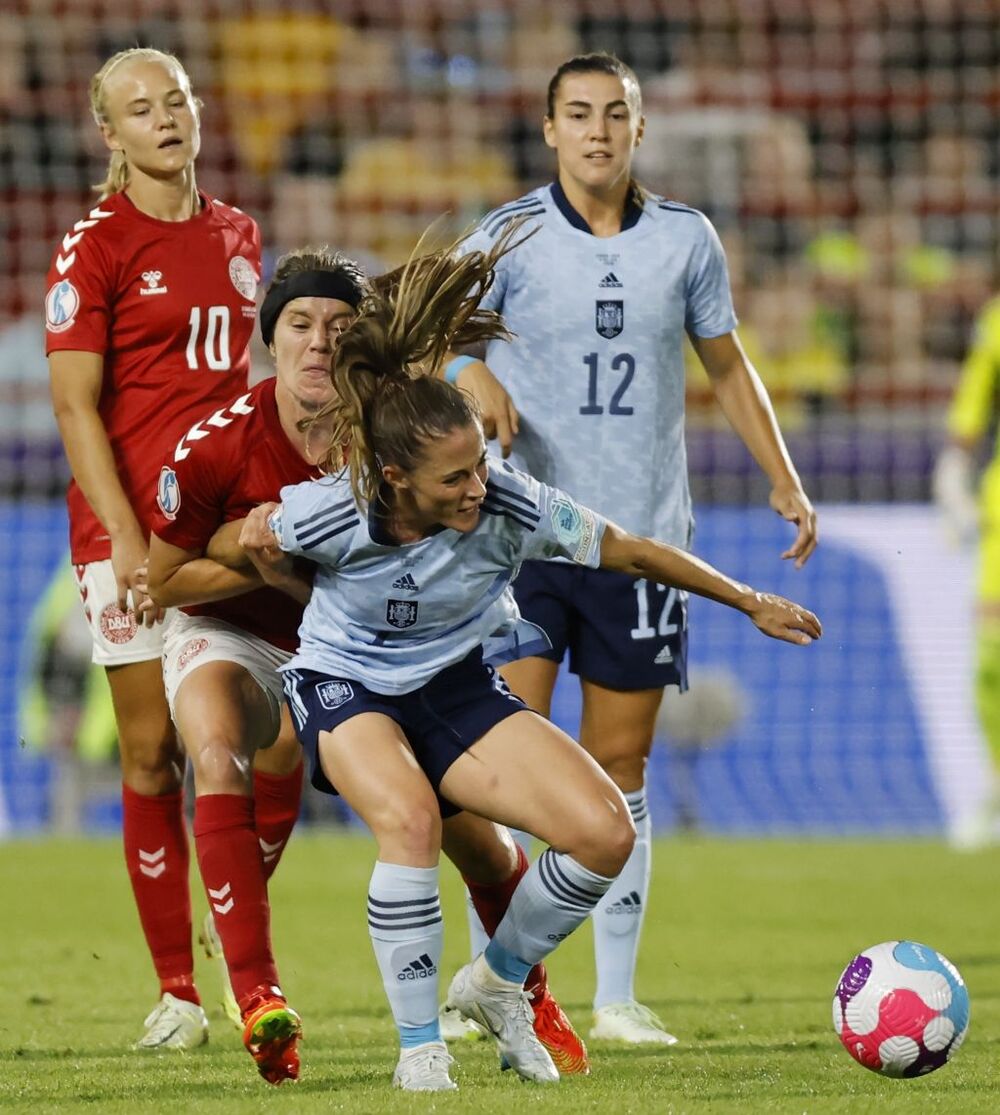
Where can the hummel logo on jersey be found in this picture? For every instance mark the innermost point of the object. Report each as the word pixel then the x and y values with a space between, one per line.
pixel 664 657
pixel 421 968
pixel 152 281
pixel 631 903
pixel 407 583
pixel 610 279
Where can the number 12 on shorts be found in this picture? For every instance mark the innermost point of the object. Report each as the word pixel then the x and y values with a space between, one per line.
pixel 643 628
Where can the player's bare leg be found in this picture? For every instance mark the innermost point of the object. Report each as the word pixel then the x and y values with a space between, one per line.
pixel 225 718
pixel 391 794
pixel 617 729
pixel 156 849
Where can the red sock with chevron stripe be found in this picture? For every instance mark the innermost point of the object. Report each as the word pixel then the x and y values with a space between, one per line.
pixel 276 800
pixel 233 873
pixel 157 858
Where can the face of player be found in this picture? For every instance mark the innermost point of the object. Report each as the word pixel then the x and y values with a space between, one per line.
pixel 305 336
pixel 152 117
pixel 595 129
pixel 447 486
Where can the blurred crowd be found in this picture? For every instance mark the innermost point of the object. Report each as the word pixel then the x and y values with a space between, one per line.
pixel 846 150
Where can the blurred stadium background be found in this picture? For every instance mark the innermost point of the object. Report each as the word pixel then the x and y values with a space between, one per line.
pixel 847 151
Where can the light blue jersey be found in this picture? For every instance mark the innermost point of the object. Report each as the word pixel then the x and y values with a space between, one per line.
pixel 392 616
pixel 596 369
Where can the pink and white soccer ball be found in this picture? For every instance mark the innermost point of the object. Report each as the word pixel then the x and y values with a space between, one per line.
pixel 901 1009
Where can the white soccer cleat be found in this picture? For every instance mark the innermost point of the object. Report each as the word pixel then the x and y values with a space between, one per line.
pixel 424 1069
pixel 174 1024
pixel 631 1023
pixel 456 1028
pixel 212 944
pixel 504 1010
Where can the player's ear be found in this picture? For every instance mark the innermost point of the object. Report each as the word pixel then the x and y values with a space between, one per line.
pixel 640 131
pixel 394 476
pixel 548 131
pixel 111 141
pixel 272 350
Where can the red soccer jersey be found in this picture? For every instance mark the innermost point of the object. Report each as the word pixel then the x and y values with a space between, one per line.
pixel 219 471
pixel 170 305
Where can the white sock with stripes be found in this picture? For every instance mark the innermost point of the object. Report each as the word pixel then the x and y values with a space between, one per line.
pixel 619 916
pixel 478 937
pixel 404 921
pixel 554 897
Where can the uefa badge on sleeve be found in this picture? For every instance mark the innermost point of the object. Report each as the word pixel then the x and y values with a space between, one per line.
pixel 168 493
pixel 61 305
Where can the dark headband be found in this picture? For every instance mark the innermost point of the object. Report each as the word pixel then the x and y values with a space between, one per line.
pixel 306 284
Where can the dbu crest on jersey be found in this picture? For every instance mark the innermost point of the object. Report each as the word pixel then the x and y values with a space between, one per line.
pixel 333 694
pixel 401 613
pixel 609 318
pixel 168 493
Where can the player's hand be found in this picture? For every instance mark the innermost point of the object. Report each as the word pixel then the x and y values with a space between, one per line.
pixel 792 503
pixel 953 487
pixel 782 619
pixel 500 417
pixel 259 541
pixel 129 559
pixel 147 612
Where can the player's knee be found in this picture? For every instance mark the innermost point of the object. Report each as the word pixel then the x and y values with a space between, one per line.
pixel 604 841
pixel 411 829
pixel 483 853
pixel 219 764
pixel 152 762
pixel 625 767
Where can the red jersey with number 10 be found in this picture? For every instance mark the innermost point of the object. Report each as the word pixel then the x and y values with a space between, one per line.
pixel 219 471
pixel 170 305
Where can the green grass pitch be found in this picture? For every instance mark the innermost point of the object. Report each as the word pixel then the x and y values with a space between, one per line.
pixel 743 944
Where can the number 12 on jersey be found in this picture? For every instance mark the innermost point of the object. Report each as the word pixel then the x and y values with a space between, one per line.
pixel 624 364
pixel 213 343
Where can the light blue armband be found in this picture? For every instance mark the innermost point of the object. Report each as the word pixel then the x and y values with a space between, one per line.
pixel 453 367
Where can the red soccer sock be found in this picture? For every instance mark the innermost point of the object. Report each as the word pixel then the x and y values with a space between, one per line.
pixel 276 803
pixel 491 901
pixel 233 874
pixel 157 858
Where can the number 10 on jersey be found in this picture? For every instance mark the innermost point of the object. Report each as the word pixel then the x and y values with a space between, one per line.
pixel 209 346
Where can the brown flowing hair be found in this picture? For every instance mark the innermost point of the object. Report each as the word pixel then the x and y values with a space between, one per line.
pixel 389 402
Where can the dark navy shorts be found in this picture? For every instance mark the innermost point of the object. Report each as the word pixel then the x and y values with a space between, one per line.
pixel 621 632
pixel 441 720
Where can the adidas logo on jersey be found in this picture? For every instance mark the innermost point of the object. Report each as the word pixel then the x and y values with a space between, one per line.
pixel 407 583
pixel 664 657
pixel 421 968
pixel 609 280
pixel 631 903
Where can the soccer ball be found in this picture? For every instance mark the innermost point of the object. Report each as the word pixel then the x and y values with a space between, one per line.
pixel 901 1009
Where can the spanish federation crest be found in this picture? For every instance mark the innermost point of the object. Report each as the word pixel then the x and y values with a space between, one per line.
pixel 609 318
pixel 333 694
pixel 401 613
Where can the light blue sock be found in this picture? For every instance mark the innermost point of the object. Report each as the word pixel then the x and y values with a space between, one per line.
pixel 404 921
pixel 618 917
pixel 554 897
pixel 478 937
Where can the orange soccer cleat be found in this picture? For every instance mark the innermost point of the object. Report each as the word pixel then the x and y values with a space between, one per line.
pixel 271 1032
pixel 555 1031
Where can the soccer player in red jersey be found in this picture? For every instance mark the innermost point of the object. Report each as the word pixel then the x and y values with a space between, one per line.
pixel 230 634
pixel 149 311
